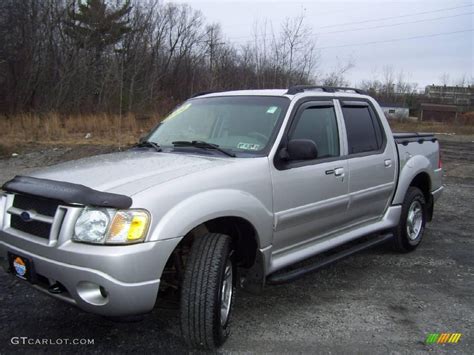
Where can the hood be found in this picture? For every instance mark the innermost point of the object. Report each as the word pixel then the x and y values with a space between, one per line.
pixel 128 172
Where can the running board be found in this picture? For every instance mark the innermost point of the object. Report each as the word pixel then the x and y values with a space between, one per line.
pixel 284 277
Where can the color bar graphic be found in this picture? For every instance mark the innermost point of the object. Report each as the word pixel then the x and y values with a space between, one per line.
pixel 443 338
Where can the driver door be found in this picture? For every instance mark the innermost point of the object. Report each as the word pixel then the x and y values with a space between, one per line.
pixel 311 197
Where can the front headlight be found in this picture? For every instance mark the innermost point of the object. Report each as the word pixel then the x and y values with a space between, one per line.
pixel 92 225
pixel 109 226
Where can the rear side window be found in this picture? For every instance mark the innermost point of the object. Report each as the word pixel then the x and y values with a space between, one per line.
pixel 319 125
pixel 364 133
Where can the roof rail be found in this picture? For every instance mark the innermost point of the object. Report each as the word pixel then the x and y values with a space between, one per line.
pixel 302 88
pixel 203 93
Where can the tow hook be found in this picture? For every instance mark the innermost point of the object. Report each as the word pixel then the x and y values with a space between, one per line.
pixel 56 288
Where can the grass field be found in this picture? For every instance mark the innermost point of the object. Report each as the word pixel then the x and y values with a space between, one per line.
pixel 433 127
pixel 71 129
pixel 104 129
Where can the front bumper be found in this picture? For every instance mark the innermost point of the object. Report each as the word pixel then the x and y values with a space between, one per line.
pixel 106 280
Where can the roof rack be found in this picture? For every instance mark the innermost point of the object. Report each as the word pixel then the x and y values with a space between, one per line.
pixel 302 88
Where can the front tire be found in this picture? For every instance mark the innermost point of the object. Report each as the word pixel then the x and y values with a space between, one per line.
pixel 207 292
pixel 409 232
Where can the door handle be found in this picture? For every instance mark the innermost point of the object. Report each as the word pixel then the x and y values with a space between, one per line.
pixel 336 172
pixel 339 172
pixel 387 163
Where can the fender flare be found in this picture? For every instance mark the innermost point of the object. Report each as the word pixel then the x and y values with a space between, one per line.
pixel 414 166
pixel 208 205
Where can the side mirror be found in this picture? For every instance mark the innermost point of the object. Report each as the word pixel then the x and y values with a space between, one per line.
pixel 299 149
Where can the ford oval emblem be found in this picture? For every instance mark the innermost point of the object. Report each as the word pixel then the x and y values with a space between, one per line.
pixel 25 216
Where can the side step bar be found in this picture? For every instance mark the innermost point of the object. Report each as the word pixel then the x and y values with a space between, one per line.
pixel 284 277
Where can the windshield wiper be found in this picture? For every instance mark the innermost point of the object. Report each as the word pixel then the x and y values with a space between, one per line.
pixel 148 144
pixel 203 145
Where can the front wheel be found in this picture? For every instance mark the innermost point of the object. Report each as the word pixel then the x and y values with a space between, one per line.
pixel 409 232
pixel 207 292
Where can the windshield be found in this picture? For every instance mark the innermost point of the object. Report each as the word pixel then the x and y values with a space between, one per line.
pixel 236 123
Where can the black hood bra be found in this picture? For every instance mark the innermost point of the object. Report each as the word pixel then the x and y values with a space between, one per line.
pixel 67 192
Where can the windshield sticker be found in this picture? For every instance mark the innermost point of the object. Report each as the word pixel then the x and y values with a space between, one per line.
pixel 179 111
pixel 248 146
pixel 272 109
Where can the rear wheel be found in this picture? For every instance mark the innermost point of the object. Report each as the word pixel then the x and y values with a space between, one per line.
pixel 409 232
pixel 207 292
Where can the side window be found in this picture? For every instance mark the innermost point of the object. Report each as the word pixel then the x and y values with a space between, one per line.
pixel 318 124
pixel 364 133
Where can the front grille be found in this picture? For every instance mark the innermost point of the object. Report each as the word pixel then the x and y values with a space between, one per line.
pixel 37 228
pixel 39 205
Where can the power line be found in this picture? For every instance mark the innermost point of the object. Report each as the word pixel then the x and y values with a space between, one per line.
pixel 379 19
pixel 395 39
pixel 399 16
pixel 395 24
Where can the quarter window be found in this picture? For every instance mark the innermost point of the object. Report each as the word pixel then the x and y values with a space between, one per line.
pixel 364 133
pixel 319 125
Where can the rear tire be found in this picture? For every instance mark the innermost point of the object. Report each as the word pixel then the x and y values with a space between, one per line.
pixel 207 292
pixel 409 232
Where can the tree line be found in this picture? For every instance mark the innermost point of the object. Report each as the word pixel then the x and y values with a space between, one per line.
pixel 144 56
pixel 73 56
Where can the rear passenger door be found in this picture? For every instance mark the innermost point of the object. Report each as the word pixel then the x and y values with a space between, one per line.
pixel 370 161
pixel 310 197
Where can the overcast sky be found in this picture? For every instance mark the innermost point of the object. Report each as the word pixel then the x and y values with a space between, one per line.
pixel 423 60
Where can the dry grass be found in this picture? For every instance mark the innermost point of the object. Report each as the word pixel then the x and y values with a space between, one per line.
pixel 432 127
pixel 104 129
pixel 464 125
pixel 55 128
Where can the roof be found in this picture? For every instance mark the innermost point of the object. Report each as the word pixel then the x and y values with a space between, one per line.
pixel 469 88
pixel 437 107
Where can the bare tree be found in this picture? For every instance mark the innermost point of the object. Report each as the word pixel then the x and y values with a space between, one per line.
pixel 337 76
pixel 138 56
pixel 298 46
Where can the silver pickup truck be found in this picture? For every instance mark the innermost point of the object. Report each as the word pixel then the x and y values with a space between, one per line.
pixel 232 190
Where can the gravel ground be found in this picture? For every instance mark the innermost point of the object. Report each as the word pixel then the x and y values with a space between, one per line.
pixel 374 302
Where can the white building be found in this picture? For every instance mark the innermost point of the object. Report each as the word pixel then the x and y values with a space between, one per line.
pixel 395 112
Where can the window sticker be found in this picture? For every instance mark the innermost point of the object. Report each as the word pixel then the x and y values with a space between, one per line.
pixel 248 146
pixel 272 109
pixel 179 111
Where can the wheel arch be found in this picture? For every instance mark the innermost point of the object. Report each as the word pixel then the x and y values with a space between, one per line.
pixel 213 205
pixel 238 214
pixel 416 172
pixel 249 259
pixel 423 182
pixel 245 240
